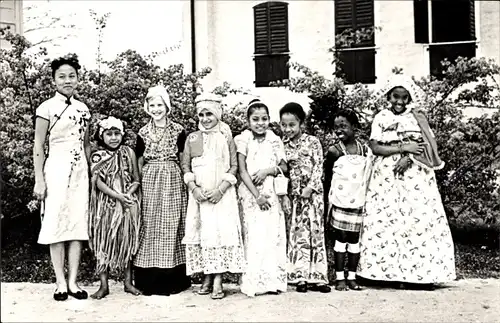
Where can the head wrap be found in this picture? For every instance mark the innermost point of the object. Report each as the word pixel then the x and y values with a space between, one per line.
pixel 211 103
pixel 110 122
pixel 158 91
pixel 406 82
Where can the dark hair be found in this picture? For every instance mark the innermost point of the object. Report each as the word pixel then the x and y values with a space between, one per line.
pixel 350 116
pixel 100 141
pixel 295 109
pixel 58 62
pixel 398 87
pixel 256 104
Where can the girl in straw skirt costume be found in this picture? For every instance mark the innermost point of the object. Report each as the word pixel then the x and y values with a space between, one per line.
pixel 114 205
pixel 160 263
pixel 213 230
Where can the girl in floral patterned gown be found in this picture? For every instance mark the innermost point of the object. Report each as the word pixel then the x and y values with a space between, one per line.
pixel 346 173
pixel 405 236
pixel 213 230
pixel 260 153
pixel 160 262
pixel 307 264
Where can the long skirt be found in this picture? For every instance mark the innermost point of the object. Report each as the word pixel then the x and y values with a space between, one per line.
pixel 160 261
pixel 306 246
pixel 405 235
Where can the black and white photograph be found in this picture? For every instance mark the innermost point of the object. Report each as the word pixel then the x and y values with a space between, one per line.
pixel 250 161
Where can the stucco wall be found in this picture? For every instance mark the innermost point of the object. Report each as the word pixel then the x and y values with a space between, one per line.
pixel 11 14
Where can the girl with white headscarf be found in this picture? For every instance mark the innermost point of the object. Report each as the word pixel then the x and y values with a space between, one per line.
pixel 160 263
pixel 405 236
pixel 213 230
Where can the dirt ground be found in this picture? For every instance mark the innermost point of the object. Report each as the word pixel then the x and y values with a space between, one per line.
pixel 475 300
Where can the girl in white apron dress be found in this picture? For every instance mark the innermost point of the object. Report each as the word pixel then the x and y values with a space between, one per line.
pixel 347 171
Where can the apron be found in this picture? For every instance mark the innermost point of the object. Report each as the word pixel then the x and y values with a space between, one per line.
pixel 350 179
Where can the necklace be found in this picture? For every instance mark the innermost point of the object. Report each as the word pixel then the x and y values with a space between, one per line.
pixel 155 138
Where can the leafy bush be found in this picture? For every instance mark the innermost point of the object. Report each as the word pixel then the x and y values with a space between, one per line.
pixel 469 146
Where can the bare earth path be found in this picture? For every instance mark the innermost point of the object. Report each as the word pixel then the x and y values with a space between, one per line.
pixel 473 300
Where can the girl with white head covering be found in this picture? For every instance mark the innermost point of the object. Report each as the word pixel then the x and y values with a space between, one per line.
pixel 405 236
pixel 160 263
pixel 114 206
pixel 213 230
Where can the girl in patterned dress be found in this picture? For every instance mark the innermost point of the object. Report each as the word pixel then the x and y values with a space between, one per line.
pixel 260 153
pixel 307 264
pixel 213 230
pixel 160 263
pixel 405 236
pixel 346 173
pixel 61 175
pixel 114 206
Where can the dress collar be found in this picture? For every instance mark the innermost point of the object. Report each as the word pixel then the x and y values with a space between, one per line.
pixel 63 98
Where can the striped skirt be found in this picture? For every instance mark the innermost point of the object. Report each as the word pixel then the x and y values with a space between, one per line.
pixel 346 219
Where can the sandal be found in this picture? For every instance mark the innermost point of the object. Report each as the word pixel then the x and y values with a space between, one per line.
pixel 353 285
pixel 217 295
pixel 205 290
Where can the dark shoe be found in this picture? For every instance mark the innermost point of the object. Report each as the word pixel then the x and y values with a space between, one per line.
pixel 322 288
pixel 60 296
pixel 81 294
pixel 301 288
pixel 353 285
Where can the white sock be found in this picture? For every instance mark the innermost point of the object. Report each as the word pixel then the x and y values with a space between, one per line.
pixel 351 275
pixel 339 246
pixel 353 247
pixel 339 275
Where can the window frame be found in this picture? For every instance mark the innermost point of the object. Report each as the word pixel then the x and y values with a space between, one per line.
pixel 271 55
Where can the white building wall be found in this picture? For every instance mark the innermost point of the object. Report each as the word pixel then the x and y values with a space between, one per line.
pixel 225 41
pixel 11 14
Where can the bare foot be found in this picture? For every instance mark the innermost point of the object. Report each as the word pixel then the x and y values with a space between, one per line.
pixel 129 288
pixel 101 293
pixel 340 285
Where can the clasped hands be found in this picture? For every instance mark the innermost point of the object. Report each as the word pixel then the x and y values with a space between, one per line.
pixel 202 195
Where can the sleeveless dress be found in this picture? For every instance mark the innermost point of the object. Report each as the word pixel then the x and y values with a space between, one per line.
pixel 65 209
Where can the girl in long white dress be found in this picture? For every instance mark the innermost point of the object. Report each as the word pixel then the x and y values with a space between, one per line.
pixel 213 230
pixel 61 176
pixel 405 236
pixel 260 153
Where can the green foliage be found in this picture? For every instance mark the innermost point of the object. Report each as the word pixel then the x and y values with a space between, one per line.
pixel 469 146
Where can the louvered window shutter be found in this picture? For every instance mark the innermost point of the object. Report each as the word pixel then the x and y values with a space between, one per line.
pixel 472 20
pixel 364 18
pixel 421 21
pixel 271 42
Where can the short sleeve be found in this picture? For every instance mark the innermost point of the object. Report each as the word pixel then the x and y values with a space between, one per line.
pixel 181 141
pixel 241 142
pixel 376 131
pixel 140 147
pixel 279 150
pixel 43 111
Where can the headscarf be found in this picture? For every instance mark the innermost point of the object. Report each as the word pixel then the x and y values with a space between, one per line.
pixel 110 122
pixel 211 103
pixel 160 91
pixel 430 157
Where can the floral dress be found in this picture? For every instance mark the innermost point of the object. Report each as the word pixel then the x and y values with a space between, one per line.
pixel 306 245
pixel 66 206
pixel 405 235
pixel 264 235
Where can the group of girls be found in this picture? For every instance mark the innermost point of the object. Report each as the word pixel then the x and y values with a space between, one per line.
pixel 206 203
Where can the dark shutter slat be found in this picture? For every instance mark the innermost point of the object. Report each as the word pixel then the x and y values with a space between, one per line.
pixel 472 20
pixel 343 15
pixel 421 21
